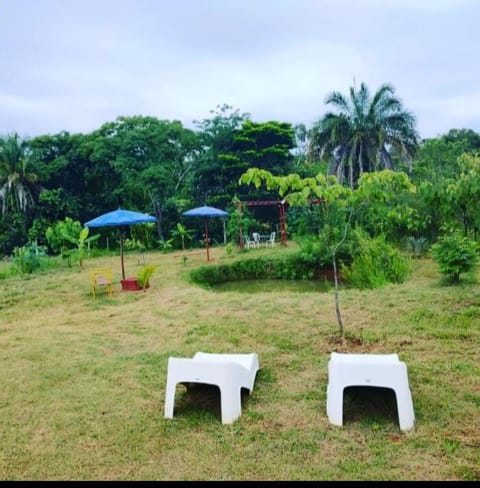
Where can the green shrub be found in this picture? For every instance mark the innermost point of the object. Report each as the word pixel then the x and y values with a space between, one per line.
pixel 314 251
pixel 133 245
pixel 293 267
pixel 454 254
pixel 165 245
pixel 375 263
pixel 229 249
pixel 28 258
pixel 55 234
pixel 238 270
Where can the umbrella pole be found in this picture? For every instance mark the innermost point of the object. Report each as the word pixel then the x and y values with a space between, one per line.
pixel 121 254
pixel 206 238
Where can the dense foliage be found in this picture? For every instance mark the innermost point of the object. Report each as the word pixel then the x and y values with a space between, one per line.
pixel 361 167
pixel 455 254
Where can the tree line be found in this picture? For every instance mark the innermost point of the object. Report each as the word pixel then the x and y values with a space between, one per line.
pixel 164 168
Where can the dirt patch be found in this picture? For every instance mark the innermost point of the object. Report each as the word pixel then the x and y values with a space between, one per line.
pixel 350 343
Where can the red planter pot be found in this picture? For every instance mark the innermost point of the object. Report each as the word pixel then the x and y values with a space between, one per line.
pixel 131 284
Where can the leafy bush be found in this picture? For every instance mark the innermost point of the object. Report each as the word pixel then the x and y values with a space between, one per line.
pixel 229 249
pixel 56 234
pixel 314 251
pixel 293 267
pixel 133 245
pixel 375 263
pixel 238 270
pixel 80 241
pixel 27 259
pixel 454 255
pixel 165 245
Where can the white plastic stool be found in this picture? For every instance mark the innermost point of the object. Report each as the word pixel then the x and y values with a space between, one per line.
pixel 380 370
pixel 230 372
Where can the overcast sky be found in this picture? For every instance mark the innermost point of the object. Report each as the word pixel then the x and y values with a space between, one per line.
pixel 72 65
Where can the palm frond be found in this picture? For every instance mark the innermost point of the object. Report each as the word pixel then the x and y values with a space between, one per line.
pixel 366 133
pixel 15 178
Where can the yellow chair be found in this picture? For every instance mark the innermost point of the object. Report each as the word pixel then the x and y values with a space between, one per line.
pixel 101 277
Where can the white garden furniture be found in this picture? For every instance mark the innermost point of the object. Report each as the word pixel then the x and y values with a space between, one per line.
pixel 378 370
pixel 230 372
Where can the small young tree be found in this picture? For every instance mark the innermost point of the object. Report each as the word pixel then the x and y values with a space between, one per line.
pixel 67 237
pixel 455 254
pixel 81 241
pixel 337 213
pixel 55 235
pixel 342 207
pixel 181 232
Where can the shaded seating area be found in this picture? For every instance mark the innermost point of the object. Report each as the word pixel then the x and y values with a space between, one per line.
pixel 260 240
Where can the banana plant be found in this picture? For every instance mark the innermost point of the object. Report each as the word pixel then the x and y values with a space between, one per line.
pixel 182 232
pixel 81 241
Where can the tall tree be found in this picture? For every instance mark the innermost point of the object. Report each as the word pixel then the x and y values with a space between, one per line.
pixel 469 139
pixel 154 158
pixel 266 145
pixel 16 179
pixel 437 171
pixel 462 194
pixel 17 191
pixel 213 180
pixel 365 133
pixel 73 170
pixel 231 144
pixel 437 158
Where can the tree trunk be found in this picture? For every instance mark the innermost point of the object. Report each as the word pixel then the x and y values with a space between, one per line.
pixel 337 299
pixel 159 215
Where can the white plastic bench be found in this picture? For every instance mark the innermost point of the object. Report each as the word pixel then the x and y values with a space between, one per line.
pixel 230 372
pixel 379 370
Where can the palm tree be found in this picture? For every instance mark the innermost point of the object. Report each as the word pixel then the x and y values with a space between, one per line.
pixel 366 134
pixel 15 180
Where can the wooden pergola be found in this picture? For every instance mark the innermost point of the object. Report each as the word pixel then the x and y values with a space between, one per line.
pixel 281 205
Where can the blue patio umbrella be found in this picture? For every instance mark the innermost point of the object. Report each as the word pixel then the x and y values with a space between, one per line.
pixel 120 218
pixel 206 212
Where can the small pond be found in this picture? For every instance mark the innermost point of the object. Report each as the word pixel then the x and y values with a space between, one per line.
pixel 262 286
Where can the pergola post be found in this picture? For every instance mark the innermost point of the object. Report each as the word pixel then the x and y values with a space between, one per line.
pixel 239 206
pixel 283 230
pixel 283 218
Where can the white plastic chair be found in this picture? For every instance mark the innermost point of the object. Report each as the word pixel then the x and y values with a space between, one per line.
pixel 253 242
pixel 379 370
pixel 256 239
pixel 271 241
pixel 230 372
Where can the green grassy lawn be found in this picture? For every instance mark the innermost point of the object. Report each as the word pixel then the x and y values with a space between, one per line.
pixel 83 381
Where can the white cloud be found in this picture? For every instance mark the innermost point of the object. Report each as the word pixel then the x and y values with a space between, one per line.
pixel 428 6
pixel 66 69
pixel 455 111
